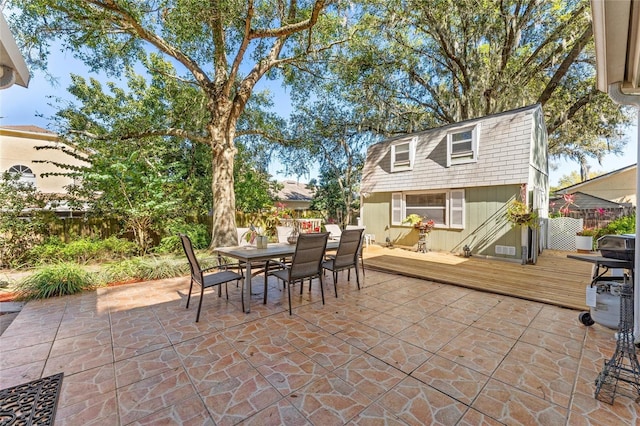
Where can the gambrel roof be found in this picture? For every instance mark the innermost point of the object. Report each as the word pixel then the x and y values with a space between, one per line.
pixel 509 144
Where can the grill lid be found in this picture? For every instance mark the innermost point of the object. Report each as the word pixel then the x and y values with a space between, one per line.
pixel 617 242
pixel 617 246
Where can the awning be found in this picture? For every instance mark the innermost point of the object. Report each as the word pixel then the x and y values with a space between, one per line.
pixel 616 34
pixel 13 68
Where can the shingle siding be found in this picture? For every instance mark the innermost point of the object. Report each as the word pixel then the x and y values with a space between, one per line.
pixel 504 157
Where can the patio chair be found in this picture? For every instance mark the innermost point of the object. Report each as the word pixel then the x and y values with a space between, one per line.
pixel 364 238
pixel 283 232
pixel 346 257
pixel 306 263
pixel 223 276
pixel 334 229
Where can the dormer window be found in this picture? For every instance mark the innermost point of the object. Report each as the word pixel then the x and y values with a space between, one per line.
pixel 462 145
pixel 402 155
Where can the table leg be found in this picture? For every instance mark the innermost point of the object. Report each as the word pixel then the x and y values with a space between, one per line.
pixel 247 287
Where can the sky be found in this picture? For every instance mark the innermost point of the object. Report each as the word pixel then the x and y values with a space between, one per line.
pixel 30 106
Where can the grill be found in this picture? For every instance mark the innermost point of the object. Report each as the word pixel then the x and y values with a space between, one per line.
pixel 620 247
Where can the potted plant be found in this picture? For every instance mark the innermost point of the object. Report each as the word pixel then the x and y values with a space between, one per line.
pixel 584 240
pixel 413 219
pixel 518 214
pixel 253 235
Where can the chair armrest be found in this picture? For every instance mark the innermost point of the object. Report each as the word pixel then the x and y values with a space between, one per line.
pixel 278 264
pixel 222 266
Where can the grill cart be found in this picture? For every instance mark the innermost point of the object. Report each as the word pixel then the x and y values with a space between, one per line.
pixel 603 295
pixel 612 305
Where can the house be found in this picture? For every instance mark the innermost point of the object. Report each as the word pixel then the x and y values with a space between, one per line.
pixel 618 186
pixel 19 154
pixel 462 176
pixel 294 195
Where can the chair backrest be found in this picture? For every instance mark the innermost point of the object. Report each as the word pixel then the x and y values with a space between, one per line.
pixel 307 259
pixel 196 273
pixel 355 227
pixel 334 229
pixel 349 247
pixel 283 232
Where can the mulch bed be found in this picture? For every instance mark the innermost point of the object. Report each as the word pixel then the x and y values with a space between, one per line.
pixel 7 297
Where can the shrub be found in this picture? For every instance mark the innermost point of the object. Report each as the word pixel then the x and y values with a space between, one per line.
pixel 622 225
pixel 159 268
pixel 119 248
pixel 148 268
pixel 82 250
pixel 198 233
pixel 124 270
pixel 55 280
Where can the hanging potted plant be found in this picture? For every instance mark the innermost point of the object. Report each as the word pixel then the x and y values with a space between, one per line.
pixel 518 214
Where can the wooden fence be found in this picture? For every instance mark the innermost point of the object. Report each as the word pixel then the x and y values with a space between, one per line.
pixel 68 229
pixel 600 218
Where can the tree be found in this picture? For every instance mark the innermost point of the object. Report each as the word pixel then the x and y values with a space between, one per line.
pixel 574 178
pixel 328 131
pixel 146 183
pixel 221 48
pixel 253 187
pixel 23 219
pixel 418 65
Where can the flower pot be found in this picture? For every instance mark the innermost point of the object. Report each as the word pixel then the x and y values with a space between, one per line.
pixel 584 243
pixel 262 241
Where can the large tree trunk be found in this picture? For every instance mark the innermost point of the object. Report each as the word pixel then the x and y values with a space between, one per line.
pixel 223 231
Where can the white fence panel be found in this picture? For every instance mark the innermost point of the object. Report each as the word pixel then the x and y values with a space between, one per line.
pixel 561 233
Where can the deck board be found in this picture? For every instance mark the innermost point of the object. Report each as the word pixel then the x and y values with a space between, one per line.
pixel 554 279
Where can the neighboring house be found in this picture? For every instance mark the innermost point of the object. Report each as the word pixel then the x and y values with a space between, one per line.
pixel 294 195
pixel 595 212
pixel 618 186
pixel 462 176
pixel 18 154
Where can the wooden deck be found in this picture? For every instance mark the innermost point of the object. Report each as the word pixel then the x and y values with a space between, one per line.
pixel 555 279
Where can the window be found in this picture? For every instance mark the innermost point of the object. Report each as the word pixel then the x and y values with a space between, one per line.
pixel 402 155
pixel 433 206
pixel 25 173
pixel 462 146
pixel 445 208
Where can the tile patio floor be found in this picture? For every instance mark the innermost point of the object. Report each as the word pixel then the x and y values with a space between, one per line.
pixel 399 351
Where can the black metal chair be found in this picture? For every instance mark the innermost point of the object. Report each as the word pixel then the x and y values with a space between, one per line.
pixel 306 263
pixel 361 245
pixel 223 276
pixel 346 257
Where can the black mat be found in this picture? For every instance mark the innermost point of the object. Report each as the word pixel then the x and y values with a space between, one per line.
pixel 32 403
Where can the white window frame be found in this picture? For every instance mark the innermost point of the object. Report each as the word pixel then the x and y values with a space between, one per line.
pixel 401 166
pixel 455 203
pixel 24 173
pixel 463 158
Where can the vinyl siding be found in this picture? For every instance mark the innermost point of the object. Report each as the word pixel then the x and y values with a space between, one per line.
pixel 485 226
pixel 504 157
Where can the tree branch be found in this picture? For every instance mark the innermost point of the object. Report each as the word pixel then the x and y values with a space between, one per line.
pixel 180 133
pixel 565 65
pixel 572 111
pixel 131 25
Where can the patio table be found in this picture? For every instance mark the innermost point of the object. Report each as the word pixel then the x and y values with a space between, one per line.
pixel 248 254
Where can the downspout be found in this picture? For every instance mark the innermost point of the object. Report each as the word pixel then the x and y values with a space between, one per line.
pixel 615 93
